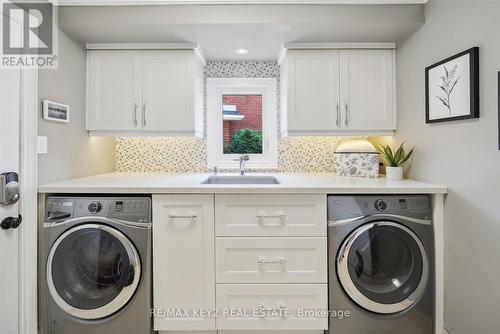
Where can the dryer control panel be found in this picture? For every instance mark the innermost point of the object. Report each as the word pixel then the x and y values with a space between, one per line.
pixel 345 207
pixel 134 209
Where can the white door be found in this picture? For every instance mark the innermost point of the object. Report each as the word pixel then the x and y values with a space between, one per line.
pixel 10 97
pixel 367 90
pixel 183 261
pixel 115 90
pixel 313 90
pixel 168 91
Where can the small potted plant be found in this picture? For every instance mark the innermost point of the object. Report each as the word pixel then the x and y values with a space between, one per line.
pixel 395 160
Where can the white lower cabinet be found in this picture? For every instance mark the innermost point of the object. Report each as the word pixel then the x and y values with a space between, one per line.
pixel 271 263
pixel 272 306
pixel 183 261
pixel 239 331
pixel 265 271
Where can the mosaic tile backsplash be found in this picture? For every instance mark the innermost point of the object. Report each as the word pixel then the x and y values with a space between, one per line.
pixel 185 154
pixel 182 154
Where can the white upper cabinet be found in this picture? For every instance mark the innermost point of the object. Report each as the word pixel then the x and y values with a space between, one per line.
pixel 114 90
pixel 145 92
pixel 341 91
pixel 313 90
pixel 367 92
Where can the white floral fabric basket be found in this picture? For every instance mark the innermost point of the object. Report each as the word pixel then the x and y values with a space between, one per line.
pixel 357 158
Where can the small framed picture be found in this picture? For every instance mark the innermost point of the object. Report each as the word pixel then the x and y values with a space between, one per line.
pixel 452 88
pixel 54 111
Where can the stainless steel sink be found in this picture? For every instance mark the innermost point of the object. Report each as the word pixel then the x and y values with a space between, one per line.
pixel 229 179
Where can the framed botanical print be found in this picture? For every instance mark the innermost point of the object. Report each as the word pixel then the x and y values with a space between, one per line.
pixel 452 88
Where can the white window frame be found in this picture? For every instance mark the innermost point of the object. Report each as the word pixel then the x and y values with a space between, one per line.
pixel 266 87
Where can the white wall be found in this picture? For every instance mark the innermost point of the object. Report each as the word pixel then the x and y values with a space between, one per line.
pixel 72 153
pixel 463 155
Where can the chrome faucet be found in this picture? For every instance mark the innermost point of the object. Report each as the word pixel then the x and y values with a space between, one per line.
pixel 243 159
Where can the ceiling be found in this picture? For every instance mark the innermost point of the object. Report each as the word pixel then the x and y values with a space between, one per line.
pixel 262 29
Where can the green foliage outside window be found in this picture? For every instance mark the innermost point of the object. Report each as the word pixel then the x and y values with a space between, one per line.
pixel 245 141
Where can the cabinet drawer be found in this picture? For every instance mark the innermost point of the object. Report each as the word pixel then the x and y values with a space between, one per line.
pixel 271 306
pixel 270 215
pixel 271 260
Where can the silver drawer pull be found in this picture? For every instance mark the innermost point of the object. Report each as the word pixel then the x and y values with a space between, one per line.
pixel 279 260
pixel 280 310
pixel 279 215
pixel 271 216
pixel 176 216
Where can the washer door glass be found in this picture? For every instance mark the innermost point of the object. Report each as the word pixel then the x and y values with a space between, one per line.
pixel 93 270
pixel 383 267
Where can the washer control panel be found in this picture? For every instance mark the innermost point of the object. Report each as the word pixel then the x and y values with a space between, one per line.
pixel 344 207
pixel 134 209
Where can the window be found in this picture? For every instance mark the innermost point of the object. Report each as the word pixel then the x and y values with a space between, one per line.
pixel 242 119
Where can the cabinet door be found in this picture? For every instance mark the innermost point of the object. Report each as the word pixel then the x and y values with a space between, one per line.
pixel 168 91
pixel 367 90
pixel 183 261
pixel 114 90
pixel 313 79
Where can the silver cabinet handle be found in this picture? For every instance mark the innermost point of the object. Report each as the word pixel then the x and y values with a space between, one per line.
pixel 176 216
pixel 144 122
pixel 279 310
pixel 279 260
pixel 265 308
pixel 346 122
pixel 278 215
pixel 135 114
pixel 338 114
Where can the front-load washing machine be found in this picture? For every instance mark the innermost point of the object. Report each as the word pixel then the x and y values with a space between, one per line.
pixel 95 263
pixel 381 264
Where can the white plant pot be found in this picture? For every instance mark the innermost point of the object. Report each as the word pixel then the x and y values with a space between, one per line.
pixel 394 173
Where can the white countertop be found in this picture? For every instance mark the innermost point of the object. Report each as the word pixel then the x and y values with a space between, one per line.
pixel 157 183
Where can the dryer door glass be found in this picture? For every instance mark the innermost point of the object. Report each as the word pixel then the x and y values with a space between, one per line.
pixel 93 269
pixel 382 266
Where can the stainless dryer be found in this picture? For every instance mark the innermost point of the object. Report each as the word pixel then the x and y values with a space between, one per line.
pixel 95 265
pixel 381 264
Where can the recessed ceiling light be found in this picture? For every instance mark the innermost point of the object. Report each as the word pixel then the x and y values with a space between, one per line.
pixel 241 51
